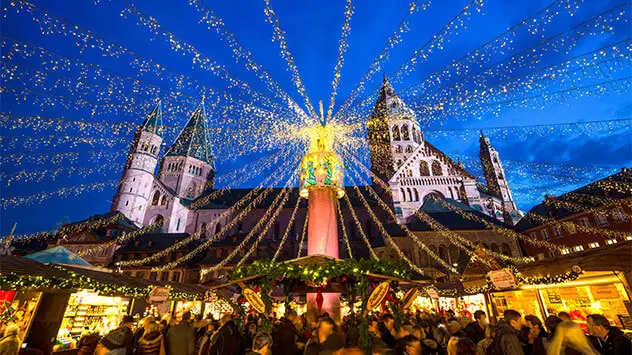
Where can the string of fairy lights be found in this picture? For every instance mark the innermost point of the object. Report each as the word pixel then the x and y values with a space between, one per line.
pixel 286 233
pixel 342 48
pixel 345 237
pixel 359 228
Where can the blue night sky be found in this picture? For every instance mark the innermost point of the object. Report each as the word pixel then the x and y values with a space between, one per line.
pixel 574 156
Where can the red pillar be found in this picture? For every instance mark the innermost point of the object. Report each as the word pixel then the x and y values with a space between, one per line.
pixel 322 238
pixel 322 227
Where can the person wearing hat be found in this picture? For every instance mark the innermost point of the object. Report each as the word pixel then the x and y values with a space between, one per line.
pixel 119 341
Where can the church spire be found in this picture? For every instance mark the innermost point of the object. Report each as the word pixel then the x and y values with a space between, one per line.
pixel 153 121
pixel 193 140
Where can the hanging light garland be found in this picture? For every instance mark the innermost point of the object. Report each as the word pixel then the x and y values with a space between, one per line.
pixel 290 223
pixel 303 236
pixel 124 238
pixel 359 227
pixel 268 218
pixel 342 48
pixel 344 230
pixel 279 36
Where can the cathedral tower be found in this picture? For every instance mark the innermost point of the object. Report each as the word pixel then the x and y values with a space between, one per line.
pixel 393 133
pixel 188 166
pixel 132 196
pixel 496 179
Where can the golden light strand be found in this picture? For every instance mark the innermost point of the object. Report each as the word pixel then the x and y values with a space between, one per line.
pixel 359 228
pixel 344 230
pixel 287 229
pixel 303 235
pixel 342 48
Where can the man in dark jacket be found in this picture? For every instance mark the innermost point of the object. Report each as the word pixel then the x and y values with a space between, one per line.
pixel 611 339
pixel 121 337
pixel 285 335
pixel 476 329
pixel 227 341
pixel 262 344
pixel 506 340
pixel 181 338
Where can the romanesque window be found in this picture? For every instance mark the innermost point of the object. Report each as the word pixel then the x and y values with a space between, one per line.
pixel 423 168
pixel 416 194
pixel 398 164
pixel 505 249
pixel 403 194
pixel 156 198
pixel 398 149
pixel 450 191
pixel 410 195
pixel 218 227
pixel 163 201
pixel 443 253
pixel 405 135
pixel 409 149
pixel 203 230
pixel 153 149
pixel 436 168
pixel 396 133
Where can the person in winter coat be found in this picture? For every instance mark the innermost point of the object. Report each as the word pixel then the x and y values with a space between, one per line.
pixel 228 339
pixel 537 335
pixel 181 338
pixel 152 342
pixel 285 336
pixel 506 341
pixel 611 339
pixel 119 340
pixel 10 342
pixel 476 329
pixel 570 339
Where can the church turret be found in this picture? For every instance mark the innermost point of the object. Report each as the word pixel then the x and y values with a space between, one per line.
pixel 496 179
pixel 394 133
pixel 132 196
pixel 188 166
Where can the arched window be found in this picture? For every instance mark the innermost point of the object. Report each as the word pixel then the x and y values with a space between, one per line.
pixel 505 249
pixel 450 191
pixel 455 253
pixel 398 164
pixel 203 230
pixel 398 149
pixel 415 135
pixel 423 168
pixel 163 201
pixel 218 227
pixel 156 199
pixel 409 149
pixel 403 194
pixel 416 194
pixel 443 252
pixel 436 168
pixel 405 135
pixel 433 195
pixel 495 248
pixel 191 190
pixel 160 221
pixel 396 133
pixel 277 230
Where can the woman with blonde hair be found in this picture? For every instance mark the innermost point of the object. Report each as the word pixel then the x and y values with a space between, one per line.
pixel 152 341
pixel 570 339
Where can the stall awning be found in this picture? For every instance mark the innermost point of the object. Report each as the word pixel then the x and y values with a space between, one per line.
pixel 58 255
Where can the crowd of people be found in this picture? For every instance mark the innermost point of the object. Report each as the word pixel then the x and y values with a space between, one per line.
pixel 420 333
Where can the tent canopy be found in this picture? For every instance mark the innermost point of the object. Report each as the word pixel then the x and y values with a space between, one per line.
pixel 58 255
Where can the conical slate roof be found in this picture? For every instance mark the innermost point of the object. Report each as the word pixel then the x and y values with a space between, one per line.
pixel 193 140
pixel 153 122
pixel 58 255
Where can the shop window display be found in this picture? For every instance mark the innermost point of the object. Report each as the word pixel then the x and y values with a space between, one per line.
pixel 89 312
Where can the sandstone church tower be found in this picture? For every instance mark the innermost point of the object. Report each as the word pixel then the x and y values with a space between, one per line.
pixel 132 196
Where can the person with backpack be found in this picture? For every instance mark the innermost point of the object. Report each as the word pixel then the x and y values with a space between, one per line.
pixel 506 340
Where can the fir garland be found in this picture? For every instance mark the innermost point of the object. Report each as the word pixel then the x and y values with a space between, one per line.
pixel 320 273
pixel 76 281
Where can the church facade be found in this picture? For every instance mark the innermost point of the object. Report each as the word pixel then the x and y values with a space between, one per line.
pixel 180 196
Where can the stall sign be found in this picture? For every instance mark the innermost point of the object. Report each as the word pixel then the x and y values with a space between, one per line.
pixel 158 294
pixel 511 296
pixel 378 295
pixel 604 291
pixel 568 293
pixel 502 279
pixel 254 299
pixel 408 298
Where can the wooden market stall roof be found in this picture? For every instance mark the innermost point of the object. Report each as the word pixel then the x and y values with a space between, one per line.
pixel 24 267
